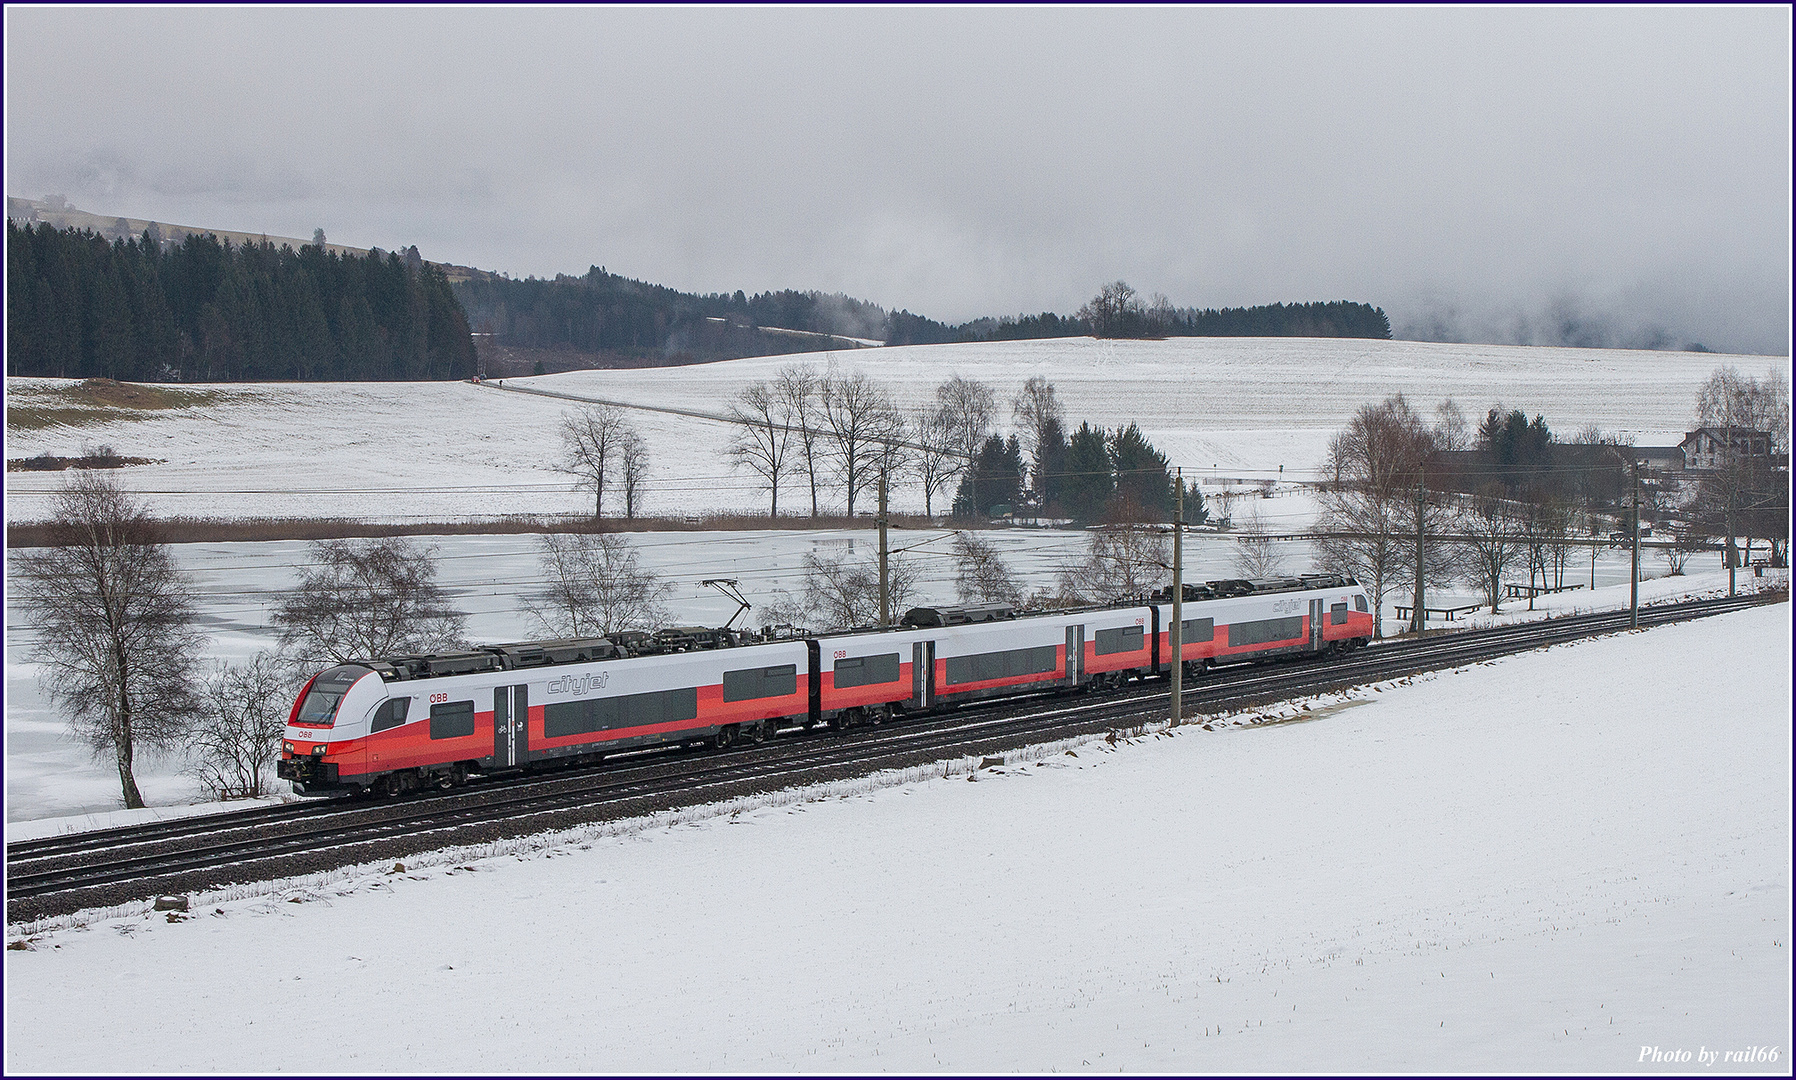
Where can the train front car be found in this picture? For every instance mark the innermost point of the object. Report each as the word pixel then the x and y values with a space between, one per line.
pixel 325 744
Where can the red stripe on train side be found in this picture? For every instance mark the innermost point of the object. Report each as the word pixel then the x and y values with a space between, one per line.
pixel 1118 661
pixel 869 694
pixel 410 746
pixel 1190 650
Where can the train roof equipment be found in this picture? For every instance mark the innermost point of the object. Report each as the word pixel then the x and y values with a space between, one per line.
pixel 957 615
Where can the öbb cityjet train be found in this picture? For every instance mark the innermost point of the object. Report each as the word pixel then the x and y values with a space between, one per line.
pixel 407 722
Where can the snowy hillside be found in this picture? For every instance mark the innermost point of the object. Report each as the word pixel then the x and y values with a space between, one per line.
pixel 1553 862
pixel 1218 407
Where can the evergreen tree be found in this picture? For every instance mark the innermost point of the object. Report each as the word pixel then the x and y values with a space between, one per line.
pixel 1087 481
pixel 79 306
pixel 1051 465
pixel 997 477
pixel 1143 478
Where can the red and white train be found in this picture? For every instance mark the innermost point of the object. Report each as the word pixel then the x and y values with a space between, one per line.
pixel 407 722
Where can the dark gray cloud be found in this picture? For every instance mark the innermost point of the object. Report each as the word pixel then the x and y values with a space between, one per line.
pixel 1479 172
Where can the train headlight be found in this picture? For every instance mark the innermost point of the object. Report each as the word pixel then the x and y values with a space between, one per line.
pixel 318 751
pixel 287 746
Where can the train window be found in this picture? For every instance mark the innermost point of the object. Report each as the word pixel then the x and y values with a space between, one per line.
pixel 1264 630
pixel 1359 603
pixel 1192 631
pixel 866 670
pixel 391 715
pixel 452 721
pixel 319 709
pixel 627 710
pixel 1337 614
pixel 1003 665
pixel 1122 639
pixel 751 683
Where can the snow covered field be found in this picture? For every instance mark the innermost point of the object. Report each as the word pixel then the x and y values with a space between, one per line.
pixel 1218 407
pixel 1547 863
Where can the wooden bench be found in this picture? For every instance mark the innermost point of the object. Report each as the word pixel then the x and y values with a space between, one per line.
pixel 1512 591
pixel 1447 614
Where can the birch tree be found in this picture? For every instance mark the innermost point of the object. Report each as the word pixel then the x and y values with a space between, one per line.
pixel 114 625
pixel 594 585
pixel 366 599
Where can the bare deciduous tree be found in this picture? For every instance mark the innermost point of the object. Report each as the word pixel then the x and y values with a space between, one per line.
pixel 237 738
pixel 1115 312
pixel 595 585
pixel 114 624
pixel 1256 554
pixel 592 442
pixel 1493 541
pixel 633 470
pixel 936 461
pixel 1731 400
pixel 1452 430
pixel 1122 562
pixel 1036 410
pixel 365 599
pixel 1744 494
pixel 1369 509
pixel 1546 523
pixel 863 428
pixel 841 591
pixel 969 411
pixel 797 387
pixel 1685 542
pixel 763 442
pixel 981 575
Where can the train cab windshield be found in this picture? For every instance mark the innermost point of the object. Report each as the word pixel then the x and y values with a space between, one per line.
pixel 319 709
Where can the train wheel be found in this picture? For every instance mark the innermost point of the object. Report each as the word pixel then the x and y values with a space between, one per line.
pixel 725 736
pixel 763 731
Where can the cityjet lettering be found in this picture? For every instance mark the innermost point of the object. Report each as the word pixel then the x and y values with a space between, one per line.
pixel 578 684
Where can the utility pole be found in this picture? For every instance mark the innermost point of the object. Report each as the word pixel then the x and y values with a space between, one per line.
pixel 1177 637
pixel 1634 576
pixel 885 583
pixel 1416 619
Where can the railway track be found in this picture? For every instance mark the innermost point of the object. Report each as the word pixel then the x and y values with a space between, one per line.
pixel 62 874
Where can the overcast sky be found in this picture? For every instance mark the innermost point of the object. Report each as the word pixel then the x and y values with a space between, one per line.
pixel 1506 174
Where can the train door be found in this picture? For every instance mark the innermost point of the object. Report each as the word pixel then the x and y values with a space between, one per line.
pixel 1075 654
pixel 922 674
pixel 814 696
pixel 511 725
pixel 1316 625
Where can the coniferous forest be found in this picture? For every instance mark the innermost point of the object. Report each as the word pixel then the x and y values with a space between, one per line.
pixel 81 306
pixel 141 309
